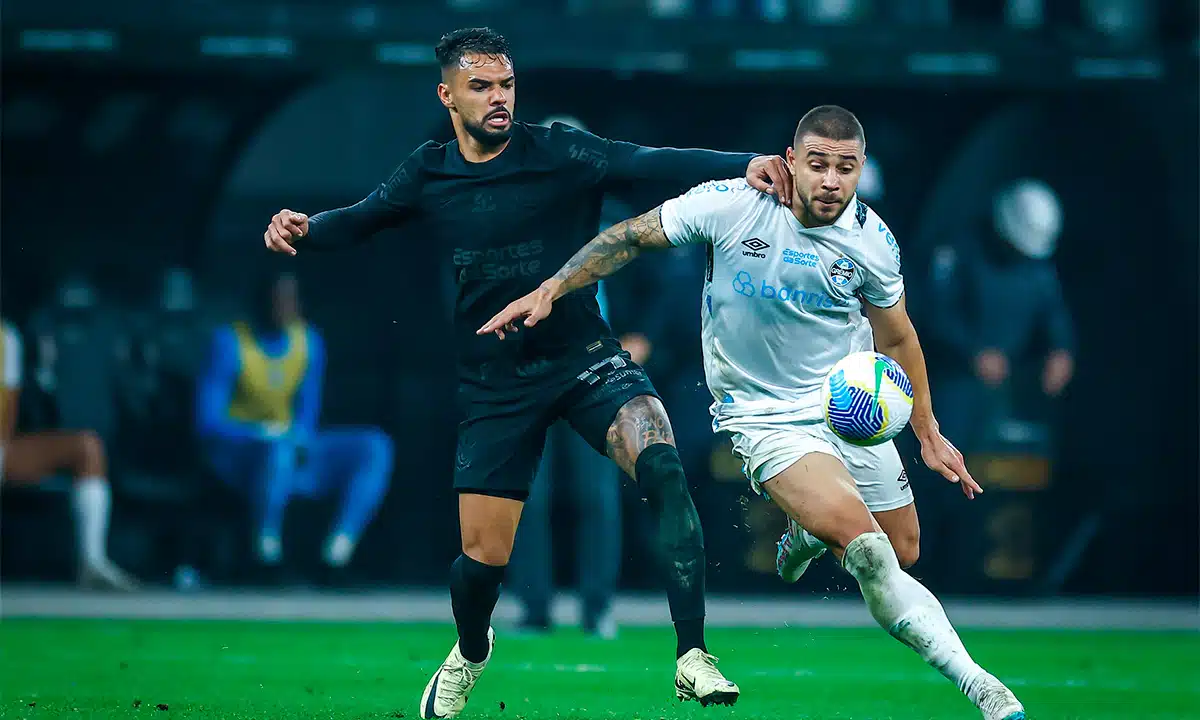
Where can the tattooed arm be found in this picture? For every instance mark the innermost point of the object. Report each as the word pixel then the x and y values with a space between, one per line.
pixel 608 252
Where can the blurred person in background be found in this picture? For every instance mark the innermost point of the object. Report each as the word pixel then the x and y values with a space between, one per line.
pixel 29 458
pixel 256 413
pixel 1000 328
pixel 569 464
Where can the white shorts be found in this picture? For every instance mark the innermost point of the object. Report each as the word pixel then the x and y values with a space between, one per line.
pixel 769 446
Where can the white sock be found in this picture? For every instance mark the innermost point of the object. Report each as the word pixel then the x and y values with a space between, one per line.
pixel 270 549
pixel 338 549
pixel 92 502
pixel 907 610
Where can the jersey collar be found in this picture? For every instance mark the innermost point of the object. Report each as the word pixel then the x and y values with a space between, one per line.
pixel 846 220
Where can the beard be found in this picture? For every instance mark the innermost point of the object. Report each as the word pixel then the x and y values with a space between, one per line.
pixel 825 214
pixel 488 136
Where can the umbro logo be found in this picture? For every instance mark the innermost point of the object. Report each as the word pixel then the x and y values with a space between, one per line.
pixel 903 480
pixel 756 248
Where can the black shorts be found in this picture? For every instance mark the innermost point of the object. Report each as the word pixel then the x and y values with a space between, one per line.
pixel 500 442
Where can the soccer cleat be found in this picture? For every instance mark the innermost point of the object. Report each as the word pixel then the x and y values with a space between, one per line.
pixel 105 575
pixel 996 701
pixel 446 694
pixel 697 678
pixel 793 556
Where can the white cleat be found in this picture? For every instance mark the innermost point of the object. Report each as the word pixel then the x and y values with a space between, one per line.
pixel 446 694
pixel 697 678
pixel 105 575
pixel 793 555
pixel 996 701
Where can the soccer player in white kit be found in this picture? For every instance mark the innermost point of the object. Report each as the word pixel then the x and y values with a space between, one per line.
pixel 790 291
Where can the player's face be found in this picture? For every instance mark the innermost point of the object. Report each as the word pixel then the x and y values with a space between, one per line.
pixel 826 175
pixel 481 91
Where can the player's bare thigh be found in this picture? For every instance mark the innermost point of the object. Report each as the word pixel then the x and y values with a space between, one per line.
pixel 904 530
pixel 640 423
pixel 488 526
pixel 817 492
pixel 29 458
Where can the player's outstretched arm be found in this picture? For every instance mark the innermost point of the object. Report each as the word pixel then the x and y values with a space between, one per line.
pixel 334 229
pixel 607 253
pixel 391 205
pixel 896 337
pixel 685 167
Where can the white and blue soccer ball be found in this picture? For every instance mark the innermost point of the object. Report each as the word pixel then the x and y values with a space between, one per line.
pixel 868 398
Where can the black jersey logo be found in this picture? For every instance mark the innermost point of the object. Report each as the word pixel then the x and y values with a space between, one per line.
pixel 483 203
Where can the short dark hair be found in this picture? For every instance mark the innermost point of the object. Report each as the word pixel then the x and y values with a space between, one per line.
pixel 832 122
pixel 484 41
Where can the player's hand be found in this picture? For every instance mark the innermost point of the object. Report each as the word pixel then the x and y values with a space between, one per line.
pixel 534 307
pixel 942 457
pixel 285 227
pixel 1060 366
pixel 991 366
pixel 770 174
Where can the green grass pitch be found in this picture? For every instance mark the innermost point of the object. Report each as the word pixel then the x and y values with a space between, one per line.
pixel 274 671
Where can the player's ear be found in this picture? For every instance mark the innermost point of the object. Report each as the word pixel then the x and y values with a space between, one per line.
pixel 790 156
pixel 443 93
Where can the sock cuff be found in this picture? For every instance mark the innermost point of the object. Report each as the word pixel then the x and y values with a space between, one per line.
pixel 473 569
pixel 868 552
pixel 658 457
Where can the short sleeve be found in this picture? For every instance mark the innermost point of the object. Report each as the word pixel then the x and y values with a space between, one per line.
pixel 883 285
pixel 706 213
pixel 13 355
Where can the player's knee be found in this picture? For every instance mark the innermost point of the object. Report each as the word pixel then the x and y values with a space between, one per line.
pixel 870 555
pixel 489 553
pixel 486 546
pixel 90 452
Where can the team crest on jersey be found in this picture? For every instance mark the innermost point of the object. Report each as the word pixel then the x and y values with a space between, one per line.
pixel 841 272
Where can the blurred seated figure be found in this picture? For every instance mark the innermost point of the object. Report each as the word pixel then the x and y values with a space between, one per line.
pixel 80 351
pixel 29 458
pixel 256 414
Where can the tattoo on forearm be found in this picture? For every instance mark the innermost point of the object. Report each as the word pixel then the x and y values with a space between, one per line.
pixel 612 250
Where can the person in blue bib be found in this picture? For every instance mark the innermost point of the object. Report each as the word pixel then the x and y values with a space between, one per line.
pixel 257 410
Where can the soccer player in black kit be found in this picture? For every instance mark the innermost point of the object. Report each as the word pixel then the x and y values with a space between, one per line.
pixel 512 201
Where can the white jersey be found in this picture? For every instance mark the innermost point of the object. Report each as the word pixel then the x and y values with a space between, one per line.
pixel 782 303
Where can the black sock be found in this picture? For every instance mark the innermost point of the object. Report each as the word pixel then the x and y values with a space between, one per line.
pixel 678 540
pixel 474 590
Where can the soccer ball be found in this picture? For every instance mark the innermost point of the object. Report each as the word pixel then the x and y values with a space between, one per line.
pixel 868 398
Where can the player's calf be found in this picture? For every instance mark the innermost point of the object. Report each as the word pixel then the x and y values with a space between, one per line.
pixel 912 615
pixel 641 442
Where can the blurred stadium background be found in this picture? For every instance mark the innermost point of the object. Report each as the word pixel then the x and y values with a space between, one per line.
pixel 145 146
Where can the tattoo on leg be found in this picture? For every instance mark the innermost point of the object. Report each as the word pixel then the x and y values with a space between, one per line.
pixel 640 423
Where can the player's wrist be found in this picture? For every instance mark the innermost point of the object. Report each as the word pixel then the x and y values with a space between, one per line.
pixel 551 289
pixel 924 426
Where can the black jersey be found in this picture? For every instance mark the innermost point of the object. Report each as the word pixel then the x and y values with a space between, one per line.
pixel 511 222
